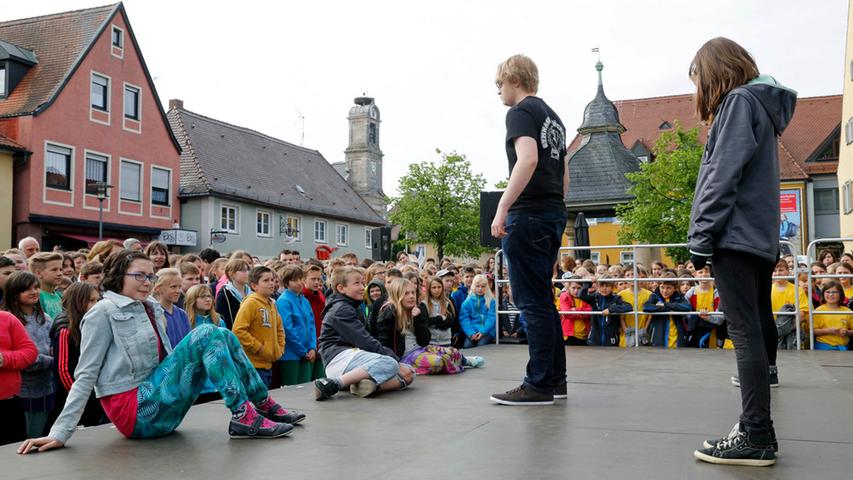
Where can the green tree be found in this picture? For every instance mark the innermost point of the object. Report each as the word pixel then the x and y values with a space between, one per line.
pixel 501 185
pixel 439 203
pixel 663 193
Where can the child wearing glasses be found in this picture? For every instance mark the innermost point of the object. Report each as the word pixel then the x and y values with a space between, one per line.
pixel 832 332
pixel 144 385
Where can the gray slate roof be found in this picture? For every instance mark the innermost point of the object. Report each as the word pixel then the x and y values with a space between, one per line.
pixel 599 164
pixel 231 161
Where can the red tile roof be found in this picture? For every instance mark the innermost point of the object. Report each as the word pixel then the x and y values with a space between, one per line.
pixel 7 143
pixel 60 41
pixel 815 119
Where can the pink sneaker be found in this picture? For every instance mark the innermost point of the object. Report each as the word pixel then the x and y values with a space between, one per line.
pixel 275 412
pixel 252 425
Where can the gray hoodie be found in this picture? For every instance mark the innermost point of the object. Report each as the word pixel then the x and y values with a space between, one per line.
pixel 736 204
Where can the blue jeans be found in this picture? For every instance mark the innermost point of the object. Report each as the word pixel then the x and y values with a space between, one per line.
pixel 266 375
pixel 484 340
pixel 531 245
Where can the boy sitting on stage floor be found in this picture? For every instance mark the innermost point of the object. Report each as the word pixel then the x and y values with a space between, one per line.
pixel 352 357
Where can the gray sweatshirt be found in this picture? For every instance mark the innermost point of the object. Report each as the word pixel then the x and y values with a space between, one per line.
pixel 736 202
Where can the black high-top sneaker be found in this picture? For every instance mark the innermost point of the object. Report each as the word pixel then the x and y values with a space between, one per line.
pixel 713 442
pixel 750 449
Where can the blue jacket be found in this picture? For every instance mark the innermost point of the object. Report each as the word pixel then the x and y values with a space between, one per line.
pixel 300 334
pixel 475 316
pixel 459 297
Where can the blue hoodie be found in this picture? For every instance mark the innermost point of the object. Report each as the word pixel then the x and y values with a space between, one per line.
pixel 459 297
pixel 475 316
pixel 300 334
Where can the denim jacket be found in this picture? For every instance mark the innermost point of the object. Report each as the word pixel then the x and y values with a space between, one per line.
pixel 118 350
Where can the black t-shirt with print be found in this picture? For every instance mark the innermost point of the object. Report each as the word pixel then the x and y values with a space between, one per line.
pixel 533 118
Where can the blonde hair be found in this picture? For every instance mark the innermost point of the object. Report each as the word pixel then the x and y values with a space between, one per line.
pixel 488 296
pixel 189 304
pixel 520 68
pixel 396 292
pixel 101 250
pixel 163 276
pixel 342 276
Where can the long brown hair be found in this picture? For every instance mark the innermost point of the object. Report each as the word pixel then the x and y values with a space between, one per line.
pixel 75 302
pixel 443 300
pixel 721 66
pixel 18 283
pixel 189 303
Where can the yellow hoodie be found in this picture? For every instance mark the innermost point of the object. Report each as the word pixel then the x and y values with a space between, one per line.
pixel 259 329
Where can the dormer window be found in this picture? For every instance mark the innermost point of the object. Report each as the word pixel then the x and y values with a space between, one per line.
pixel 14 64
pixel 665 125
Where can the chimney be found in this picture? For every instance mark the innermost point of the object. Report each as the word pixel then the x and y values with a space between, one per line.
pixel 176 103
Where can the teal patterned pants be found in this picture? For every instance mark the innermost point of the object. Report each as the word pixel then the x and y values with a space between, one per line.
pixel 207 352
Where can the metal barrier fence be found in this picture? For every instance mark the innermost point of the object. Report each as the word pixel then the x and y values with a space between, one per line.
pixel 637 309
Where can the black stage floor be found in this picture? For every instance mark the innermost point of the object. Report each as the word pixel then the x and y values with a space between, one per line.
pixel 634 414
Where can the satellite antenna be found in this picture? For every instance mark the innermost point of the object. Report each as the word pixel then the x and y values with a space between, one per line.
pixel 301 119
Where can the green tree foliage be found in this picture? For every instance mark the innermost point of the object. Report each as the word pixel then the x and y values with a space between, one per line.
pixel 501 185
pixel 663 193
pixel 439 203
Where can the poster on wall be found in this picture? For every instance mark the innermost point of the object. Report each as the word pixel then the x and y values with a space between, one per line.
pixel 791 226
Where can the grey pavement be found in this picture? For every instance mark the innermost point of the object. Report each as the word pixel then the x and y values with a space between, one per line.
pixel 630 414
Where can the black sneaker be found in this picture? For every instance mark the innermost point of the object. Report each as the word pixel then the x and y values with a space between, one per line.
pixel 740 448
pixel 523 396
pixel 324 388
pixel 561 392
pixel 713 443
pixel 277 413
pixel 774 378
pixel 260 428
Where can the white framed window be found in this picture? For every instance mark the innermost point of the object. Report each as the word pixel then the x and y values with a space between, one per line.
pixel 97 171
pixel 626 256
pixel 100 92
pixel 130 183
pixel 848 197
pixel 57 167
pixel 161 186
pixel 117 37
pixel 848 131
pixel 132 105
pixel 262 223
pixel 342 234
pixel 368 237
pixel 320 231
pixel 2 80
pixel 293 227
pixel 228 218
pixel 595 257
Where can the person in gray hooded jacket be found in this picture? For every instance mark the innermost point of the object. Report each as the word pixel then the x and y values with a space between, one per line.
pixel 735 222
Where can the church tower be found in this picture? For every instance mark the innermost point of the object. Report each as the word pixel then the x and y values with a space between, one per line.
pixel 363 156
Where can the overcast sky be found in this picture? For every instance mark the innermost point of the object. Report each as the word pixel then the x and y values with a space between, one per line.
pixel 431 65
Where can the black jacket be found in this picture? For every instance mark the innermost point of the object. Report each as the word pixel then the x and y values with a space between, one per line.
pixel 391 337
pixel 604 330
pixel 67 354
pixel 373 308
pixel 227 306
pixel 343 328
pixel 736 202
pixel 659 324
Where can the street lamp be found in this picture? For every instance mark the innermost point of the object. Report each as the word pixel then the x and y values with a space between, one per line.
pixel 102 195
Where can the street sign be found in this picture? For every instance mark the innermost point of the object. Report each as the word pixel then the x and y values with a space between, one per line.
pixel 179 238
pixel 217 236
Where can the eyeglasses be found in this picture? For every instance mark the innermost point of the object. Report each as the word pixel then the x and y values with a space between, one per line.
pixel 141 277
pixel 832 292
pixel 379 274
pixel 208 297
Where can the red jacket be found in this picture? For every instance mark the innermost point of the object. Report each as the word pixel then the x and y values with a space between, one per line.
pixel 568 303
pixel 18 353
pixel 318 302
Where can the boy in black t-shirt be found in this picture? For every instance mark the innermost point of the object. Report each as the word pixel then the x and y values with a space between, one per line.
pixel 530 219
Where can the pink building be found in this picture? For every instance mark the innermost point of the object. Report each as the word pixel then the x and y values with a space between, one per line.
pixel 76 93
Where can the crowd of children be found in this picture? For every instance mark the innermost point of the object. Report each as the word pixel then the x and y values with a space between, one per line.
pixel 347 325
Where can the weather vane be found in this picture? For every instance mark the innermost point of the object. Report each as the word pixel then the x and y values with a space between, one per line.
pixel 595 50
